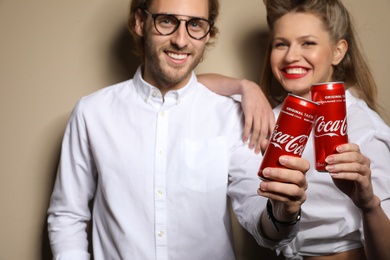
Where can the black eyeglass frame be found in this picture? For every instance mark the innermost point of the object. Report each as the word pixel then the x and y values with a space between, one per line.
pixel 187 22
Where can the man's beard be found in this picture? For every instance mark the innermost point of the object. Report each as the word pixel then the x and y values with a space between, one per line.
pixel 164 74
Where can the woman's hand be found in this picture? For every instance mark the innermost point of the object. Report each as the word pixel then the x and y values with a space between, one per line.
pixel 286 190
pixel 259 118
pixel 351 174
pixel 286 187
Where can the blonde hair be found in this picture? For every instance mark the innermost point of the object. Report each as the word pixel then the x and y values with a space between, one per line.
pixel 353 70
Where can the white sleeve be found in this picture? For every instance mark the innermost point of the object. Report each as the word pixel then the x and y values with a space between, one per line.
pixel 247 204
pixel 376 146
pixel 72 255
pixel 243 184
pixel 75 186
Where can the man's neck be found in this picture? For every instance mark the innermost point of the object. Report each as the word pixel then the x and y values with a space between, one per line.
pixel 164 85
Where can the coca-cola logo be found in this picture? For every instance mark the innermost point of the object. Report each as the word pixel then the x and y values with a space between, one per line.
pixel 292 144
pixel 330 128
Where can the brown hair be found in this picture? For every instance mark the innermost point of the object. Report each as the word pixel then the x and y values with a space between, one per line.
pixel 353 70
pixel 137 5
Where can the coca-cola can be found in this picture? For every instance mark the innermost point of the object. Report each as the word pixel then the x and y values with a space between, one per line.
pixel 291 132
pixel 330 128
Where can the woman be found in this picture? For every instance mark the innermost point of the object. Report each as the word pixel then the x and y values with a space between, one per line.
pixel 345 215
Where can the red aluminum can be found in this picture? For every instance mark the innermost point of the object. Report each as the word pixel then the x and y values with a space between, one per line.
pixel 330 129
pixel 291 132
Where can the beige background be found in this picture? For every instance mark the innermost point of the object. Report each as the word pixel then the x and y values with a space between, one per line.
pixel 54 52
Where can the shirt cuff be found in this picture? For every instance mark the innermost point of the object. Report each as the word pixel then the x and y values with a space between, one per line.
pixel 72 255
pixel 268 243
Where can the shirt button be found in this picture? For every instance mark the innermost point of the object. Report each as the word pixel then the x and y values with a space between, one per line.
pixel 160 193
pixel 154 94
pixel 163 113
pixel 161 151
pixel 160 233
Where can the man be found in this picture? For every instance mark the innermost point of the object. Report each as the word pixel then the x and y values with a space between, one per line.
pixel 159 153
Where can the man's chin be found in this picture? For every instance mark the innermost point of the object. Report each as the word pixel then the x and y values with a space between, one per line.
pixel 176 75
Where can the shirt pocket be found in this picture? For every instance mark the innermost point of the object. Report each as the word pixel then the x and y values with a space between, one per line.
pixel 204 164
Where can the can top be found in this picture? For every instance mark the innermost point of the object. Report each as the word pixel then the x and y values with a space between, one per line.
pixel 304 99
pixel 328 83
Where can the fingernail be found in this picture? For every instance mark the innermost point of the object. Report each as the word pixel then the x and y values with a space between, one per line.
pixel 266 172
pixel 283 159
pixel 263 186
pixel 339 148
pixel 329 168
pixel 329 159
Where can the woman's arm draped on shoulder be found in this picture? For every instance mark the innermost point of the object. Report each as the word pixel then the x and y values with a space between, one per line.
pixel 259 118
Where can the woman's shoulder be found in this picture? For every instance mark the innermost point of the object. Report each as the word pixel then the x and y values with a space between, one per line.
pixel 363 121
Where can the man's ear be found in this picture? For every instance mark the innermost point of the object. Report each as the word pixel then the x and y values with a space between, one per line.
pixel 339 52
pixel 139 23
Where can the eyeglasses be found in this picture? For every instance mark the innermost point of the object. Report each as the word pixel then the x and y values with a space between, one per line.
pixel 166 24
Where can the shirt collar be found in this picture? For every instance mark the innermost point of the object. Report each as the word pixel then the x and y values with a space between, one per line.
pixel 349 98
pixel 150 93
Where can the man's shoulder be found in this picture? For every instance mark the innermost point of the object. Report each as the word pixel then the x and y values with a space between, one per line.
pixel 109 90
pixel 210 104
pixel 208 94
pixel 108 93
pixel 105 97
